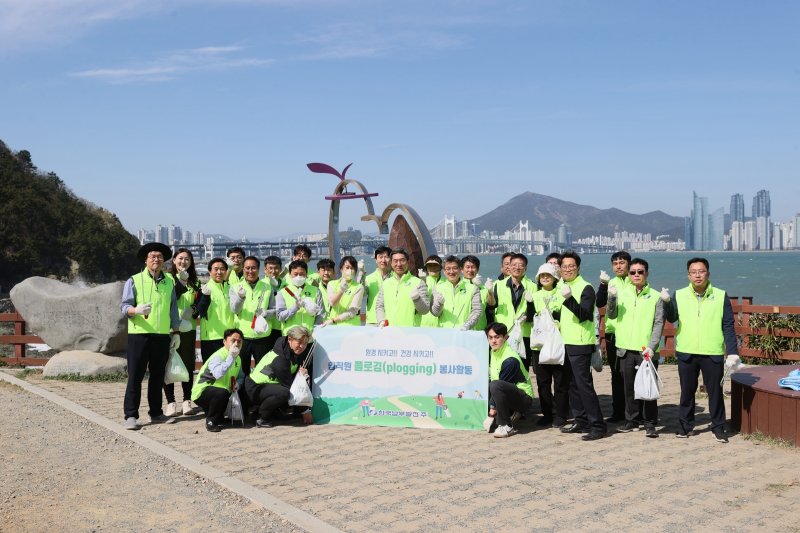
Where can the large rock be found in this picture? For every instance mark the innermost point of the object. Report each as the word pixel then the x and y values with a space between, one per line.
pixel 73 318
pixel 84 363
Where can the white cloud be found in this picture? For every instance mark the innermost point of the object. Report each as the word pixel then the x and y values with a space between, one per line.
pixel 175 64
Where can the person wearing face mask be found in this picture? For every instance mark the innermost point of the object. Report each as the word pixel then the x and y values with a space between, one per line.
pixel 374 281
pixel 272 276
pixel 345 295
pixel 269 383
pixel 403 297
pixel 299 303
pixel 456 301
pixel 214 308
pixel 216 379
pixel 235 261
pixel 252 305
pixel 326 269
pixel 432 276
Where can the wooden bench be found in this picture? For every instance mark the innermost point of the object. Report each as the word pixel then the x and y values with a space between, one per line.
pixel 759 404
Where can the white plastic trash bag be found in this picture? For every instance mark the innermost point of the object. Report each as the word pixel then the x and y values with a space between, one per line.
pixel 597 359
pixel 300 393
pixel 176 370
pixel 647 384
pixel 515 339
pixel 543 328
pixel 234 410
pixel 552 352
pixel 260 325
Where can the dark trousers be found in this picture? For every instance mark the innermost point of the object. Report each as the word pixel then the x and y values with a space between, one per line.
pixel 186 351
pixel 145 351
pixel 267 397
pixel 528 357
pixel 582 396
pixel 255 349
pixel 555 402
pixel 508 398
pixel 689 368
pixel 645 411
pixel 272 338
pixel 207 348
pixel 214 401
pixel 617 386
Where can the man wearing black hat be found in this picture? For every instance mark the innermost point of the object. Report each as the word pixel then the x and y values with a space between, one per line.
pixel 151 306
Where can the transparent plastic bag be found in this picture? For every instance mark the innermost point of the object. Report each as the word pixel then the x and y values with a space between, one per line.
pixel 647 383
pixel 300 393
pixel 234 409
pixel 175 371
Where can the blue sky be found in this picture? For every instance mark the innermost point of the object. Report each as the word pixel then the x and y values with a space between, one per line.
pixel 204 113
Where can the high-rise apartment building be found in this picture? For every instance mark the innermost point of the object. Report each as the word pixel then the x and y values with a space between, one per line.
pixel 737 208
pixel 761 204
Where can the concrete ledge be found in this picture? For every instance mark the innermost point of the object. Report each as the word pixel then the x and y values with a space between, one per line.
pixel 286 511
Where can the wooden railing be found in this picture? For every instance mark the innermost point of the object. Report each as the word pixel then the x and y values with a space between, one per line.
pixel 743 307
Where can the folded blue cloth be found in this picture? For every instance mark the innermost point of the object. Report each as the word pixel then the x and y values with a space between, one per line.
pixel 792 381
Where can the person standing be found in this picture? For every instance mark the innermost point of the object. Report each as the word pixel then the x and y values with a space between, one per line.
pixel 513 297
pixel 374 280
pixel 432 276
pixel 235 261
pixel 456 301
pixel 150 304
pixel 214 308
pixel 326 269
pixel 638 315
pixel 345 295
pixel 187 289
pixel 577 330
pixel 251 305
pixel 620 264
pixel 705 333
pixel 299 303
pixel 403 297
pixel 272 276
pixel 470 269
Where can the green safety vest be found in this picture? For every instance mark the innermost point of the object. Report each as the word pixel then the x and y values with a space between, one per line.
pixel 619 283
pixel 428 320
pixel 274 323
pixel 398 307
pixel 205 379
pixel 550 300
pixel 457 302
pixel 160 296
pixel 635 315
pixel 301 317
pixel 496 360
pixel 219 315
pixel 505 312
pixel 373 283
pixel 700 322
pixel 260 294
pixel 574 331
pixel 325 301
pixel 260 378
pixel 345 302
pixel 234 278
pixel 186 301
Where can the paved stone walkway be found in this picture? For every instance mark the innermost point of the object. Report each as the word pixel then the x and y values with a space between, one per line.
pixel 391 479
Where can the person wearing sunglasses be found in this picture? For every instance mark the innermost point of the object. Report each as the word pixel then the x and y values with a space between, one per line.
pixel 620 263
pixel 638 314
pixel 705 333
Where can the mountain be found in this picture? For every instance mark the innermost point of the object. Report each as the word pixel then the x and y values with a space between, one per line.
pixel 46 230
pixel 548 213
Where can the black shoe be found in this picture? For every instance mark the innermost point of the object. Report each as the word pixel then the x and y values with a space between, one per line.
pixel 720 436
pixel 650 432
pixel 263 423
pixel 629 426
pixel 544 422
pixel 594 436
pixel 614 419
pixel 559 423
pixel 575 428
pixel 212 427
pixel 683 434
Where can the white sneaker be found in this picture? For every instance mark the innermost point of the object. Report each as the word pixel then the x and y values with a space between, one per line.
pixel 171 408
pixel 487 424
pixel 131 423
pixel 187 408
pixel 504 431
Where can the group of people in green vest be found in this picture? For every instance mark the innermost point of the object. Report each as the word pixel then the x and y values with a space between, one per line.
pixel 270 320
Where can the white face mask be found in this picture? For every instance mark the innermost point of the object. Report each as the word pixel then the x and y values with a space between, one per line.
pixel 347 274
pixel 298 281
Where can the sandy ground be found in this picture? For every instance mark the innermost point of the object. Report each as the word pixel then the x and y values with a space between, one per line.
pixel 65 471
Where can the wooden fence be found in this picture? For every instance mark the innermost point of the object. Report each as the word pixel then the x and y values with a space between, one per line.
pixel 743 307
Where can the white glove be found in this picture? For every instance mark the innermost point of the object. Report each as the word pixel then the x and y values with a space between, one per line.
pixel 665 297
pixel 185 326
pixel 262 312
pixel 343 286
pixel 383 324
pixel 310 306
pixel 174 342
pixel 261 325
pixel 234 350
pixel 143 309
pixel 489 284
pixel 415 293
pixel 733 361
pixel 528 296
pixel 326 323
pixel 421 274
pixel 361 264
pixel 476 280
pixel 566 291
pixel 438 298
pixel 274 282
pixel 183 275
pixel 229 262
pixel 240 292
pixel 612 291
pixel 647 352
pixel 206 289
pixel 604 277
